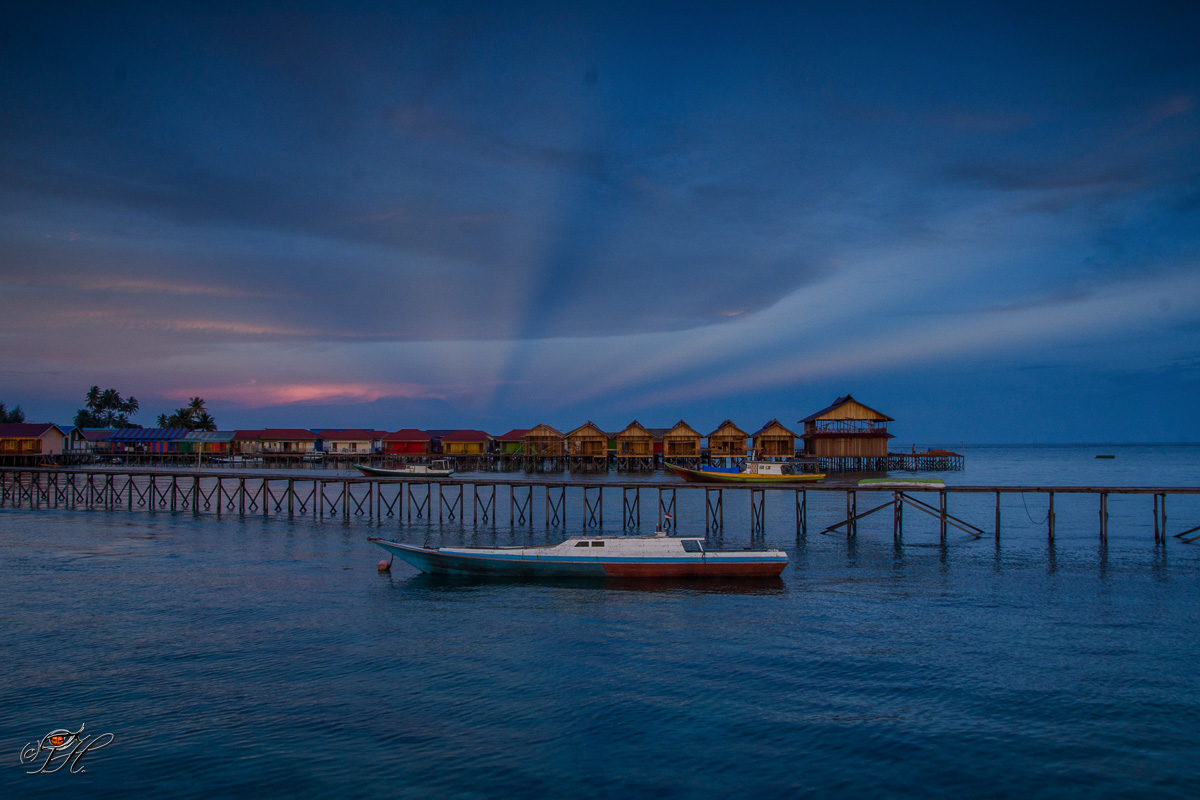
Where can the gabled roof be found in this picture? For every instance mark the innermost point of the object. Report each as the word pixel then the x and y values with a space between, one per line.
pixel 542 429
pixel 637 430
pixel 210 436
pixel 408 435
pixel 466 435
pixel 149 435
pixel 290 434
pixel 766 427
pixel 27 430
pixel 276 434
pixel 841 401
pixel 515 435
pixel 728 424
pixel 681 428
pixel 349 434
pixel 581 430
pixel 95 434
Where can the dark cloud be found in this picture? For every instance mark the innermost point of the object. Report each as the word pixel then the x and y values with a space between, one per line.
pixel 174 184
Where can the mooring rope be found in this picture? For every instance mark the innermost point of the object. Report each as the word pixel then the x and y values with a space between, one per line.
pixel 1031 519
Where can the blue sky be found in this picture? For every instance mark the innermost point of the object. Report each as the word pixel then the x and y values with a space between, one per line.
pixel 983 221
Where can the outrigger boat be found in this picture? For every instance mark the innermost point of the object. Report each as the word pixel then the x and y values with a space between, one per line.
pixel 750 472
pixel 438 469
pixel 658 556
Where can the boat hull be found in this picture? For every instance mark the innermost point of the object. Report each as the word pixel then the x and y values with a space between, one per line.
pixel 379 472
pixel 519 564
pixel 704 476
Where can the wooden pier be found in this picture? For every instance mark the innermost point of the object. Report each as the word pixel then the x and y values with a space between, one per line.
pixel 379 500
pixel 591 463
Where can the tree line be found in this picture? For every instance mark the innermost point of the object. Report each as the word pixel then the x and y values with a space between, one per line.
pixel 108 409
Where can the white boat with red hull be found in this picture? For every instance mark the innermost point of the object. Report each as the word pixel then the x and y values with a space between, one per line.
pixel 658 556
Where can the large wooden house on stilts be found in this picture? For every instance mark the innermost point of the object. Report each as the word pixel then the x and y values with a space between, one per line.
pixel 848 436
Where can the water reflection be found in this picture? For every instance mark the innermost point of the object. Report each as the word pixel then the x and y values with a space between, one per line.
pixel 423 581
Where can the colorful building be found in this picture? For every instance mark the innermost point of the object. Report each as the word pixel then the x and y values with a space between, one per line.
pixel 408 442
pixel 31 439
pixel 466 443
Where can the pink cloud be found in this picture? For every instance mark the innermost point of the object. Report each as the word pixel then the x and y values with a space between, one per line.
pixel 257 395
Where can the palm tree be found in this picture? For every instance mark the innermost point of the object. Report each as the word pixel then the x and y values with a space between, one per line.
pixel 205 422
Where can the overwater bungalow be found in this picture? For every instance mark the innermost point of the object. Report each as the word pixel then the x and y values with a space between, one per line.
pixel 350 441
pixel 208 443
pixel 31 439
pixel 587 448
pixel 512 443
pixel 276 441
pixel 635 448
pixel 545 449
pixel 542 441
pixel 90 441
pixel 774 441
pixel 148 440
pixel 853 435
pixel 727 442
pixel 408 442
pixel 681 441
pixel 466 443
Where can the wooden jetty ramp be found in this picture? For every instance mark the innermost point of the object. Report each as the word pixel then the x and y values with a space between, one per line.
pixel 521 502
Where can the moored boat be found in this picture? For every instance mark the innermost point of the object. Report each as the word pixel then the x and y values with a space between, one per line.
pixel 751 471
pixel 658 556
pixel 438 469
pixel 901 483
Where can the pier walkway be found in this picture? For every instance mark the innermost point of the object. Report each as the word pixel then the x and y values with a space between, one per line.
pixel 521 502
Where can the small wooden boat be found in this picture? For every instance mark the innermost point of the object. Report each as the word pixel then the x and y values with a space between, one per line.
pixel 438 469
pixel 750 472
pixel 902 483
pixel 658 556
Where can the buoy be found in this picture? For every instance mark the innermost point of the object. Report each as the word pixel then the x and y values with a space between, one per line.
pixel 384 566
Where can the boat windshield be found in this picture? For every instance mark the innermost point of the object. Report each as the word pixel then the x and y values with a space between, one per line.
pixel 692 546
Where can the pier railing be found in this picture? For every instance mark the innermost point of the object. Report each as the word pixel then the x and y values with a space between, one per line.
pixel 521 502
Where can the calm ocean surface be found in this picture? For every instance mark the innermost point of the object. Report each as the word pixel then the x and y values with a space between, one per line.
pixel 268 658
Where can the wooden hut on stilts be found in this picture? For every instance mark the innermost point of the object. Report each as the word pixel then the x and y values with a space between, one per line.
pixel 587 449
pixel 681 446
pixel 774 441
pixel 727 445
pixel 545 449
pixel 635 449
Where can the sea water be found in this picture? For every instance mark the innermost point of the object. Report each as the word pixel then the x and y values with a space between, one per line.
pixel 249 657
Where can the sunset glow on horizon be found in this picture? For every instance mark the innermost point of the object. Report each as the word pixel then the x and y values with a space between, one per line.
pixel 982 222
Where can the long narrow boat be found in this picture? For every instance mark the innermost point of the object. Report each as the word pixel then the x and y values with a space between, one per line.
pixel 750 472
pixel 902 483
pixel 439 469
pixel 658 556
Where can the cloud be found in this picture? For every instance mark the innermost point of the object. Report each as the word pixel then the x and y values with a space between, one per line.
pixel 260 395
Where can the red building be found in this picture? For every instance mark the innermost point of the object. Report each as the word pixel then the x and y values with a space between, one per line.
pixel 408 442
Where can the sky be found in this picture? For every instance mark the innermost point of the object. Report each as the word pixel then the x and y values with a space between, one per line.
pixel 980 219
